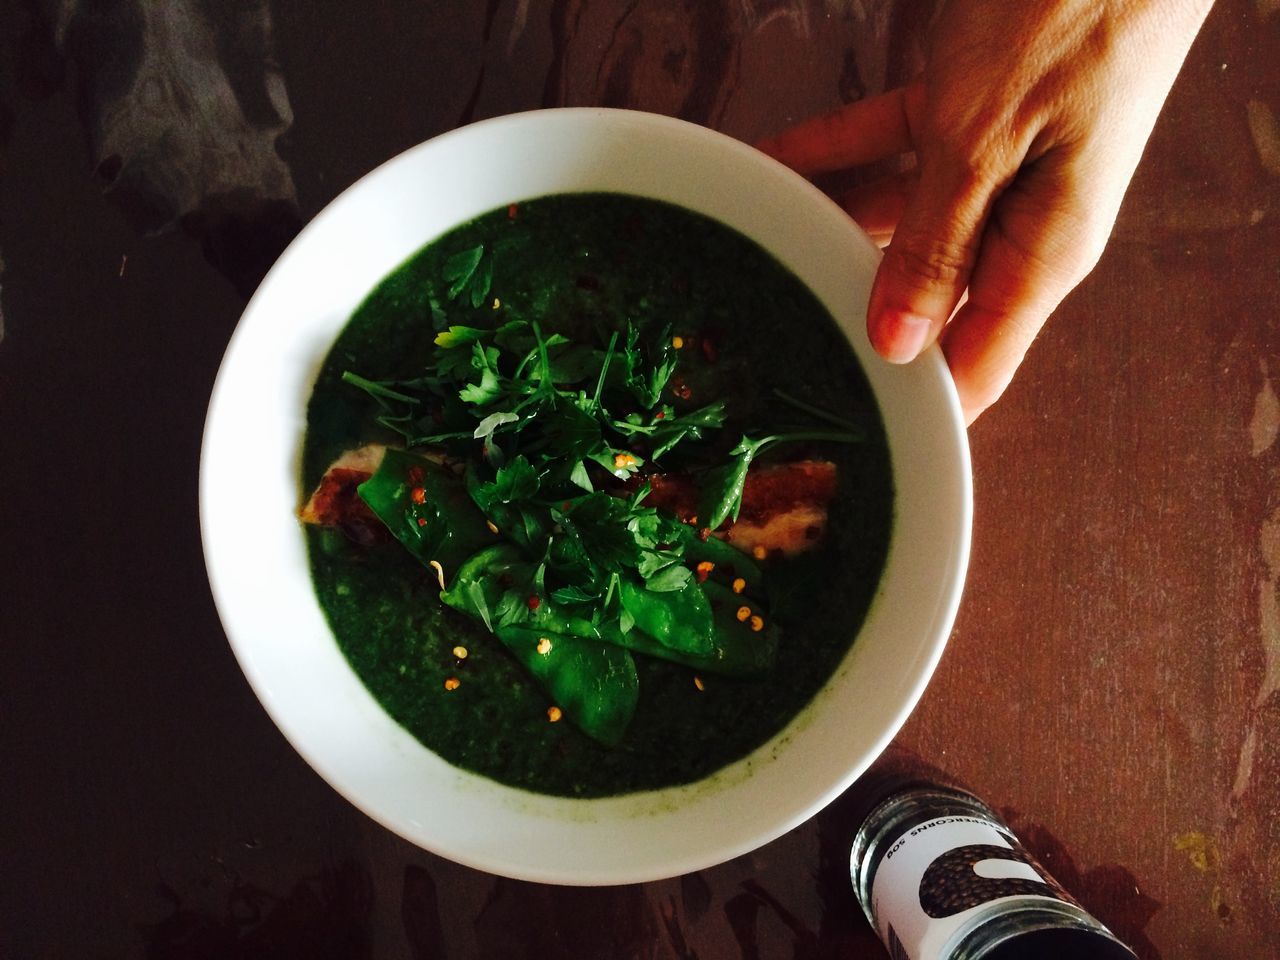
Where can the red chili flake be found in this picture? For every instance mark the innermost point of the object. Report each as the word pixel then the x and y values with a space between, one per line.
pixel 566 507
pixel 660 415
pixel 682 391
pixel 418 495
pixel 422 521
pixel 709 349
pixel 415 474
pixel 512 211
pixel 535 602
pixel 704 533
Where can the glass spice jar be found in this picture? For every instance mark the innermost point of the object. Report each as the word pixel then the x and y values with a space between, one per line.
pixel 941 877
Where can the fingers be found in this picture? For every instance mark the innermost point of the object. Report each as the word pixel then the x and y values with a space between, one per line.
pixel 862 132
pixel 877 207
pixel 984 348
pixel 937 224
pixel 958 221
pixel 1037 247
pixel 926 268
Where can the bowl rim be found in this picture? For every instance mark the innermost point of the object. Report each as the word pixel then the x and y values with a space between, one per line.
pixel 951 435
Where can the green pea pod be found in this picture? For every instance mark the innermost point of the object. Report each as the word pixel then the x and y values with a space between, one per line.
pixel 730 562
pixel 494 586
pixel 595 684
pixel 736 649
pixel 740 650
pixel 678 619
pixel 477 589
pixel 438 523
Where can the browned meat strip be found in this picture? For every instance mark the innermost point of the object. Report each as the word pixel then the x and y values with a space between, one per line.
pixel 784 506
pixel 335 502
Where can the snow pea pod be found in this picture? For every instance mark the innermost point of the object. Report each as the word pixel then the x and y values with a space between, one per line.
pixel 740 649
pixel 737 650
pixel 427 509
pixel 595 684
pixel 477 590
pixel 678 619
pixel 729 563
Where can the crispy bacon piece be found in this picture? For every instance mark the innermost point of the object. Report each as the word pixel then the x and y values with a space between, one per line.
pixel 335 503
pixel 784 505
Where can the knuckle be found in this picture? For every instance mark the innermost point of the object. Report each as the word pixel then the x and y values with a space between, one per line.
pixel 977 168
pixel 926 261
pixel 976 158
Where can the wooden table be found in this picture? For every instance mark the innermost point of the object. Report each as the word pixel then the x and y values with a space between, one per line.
pixel 1111 684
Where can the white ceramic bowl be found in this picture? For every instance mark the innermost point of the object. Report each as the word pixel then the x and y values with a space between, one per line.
pixel 257 561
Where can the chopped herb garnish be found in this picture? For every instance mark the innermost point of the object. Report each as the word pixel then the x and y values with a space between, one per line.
pixel 540 529
pixel 470 275
pixel 722 487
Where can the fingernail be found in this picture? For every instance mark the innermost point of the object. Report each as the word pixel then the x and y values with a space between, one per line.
pixel 903 336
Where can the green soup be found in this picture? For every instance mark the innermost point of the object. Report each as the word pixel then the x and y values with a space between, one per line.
pixel 572 261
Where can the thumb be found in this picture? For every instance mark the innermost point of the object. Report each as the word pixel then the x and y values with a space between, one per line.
pixel 927 265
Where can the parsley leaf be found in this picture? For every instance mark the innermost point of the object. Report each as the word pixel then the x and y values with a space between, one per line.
pixel 485 429
pixel 488 389
pixel 671 577
pixel 517 480
pixel 721 488
pixel 470 275
pixel 649 366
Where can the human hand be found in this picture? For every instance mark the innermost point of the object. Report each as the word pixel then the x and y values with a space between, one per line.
pixel 1027 125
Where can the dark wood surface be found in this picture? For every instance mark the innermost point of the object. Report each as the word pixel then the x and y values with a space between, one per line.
pixel 1111 684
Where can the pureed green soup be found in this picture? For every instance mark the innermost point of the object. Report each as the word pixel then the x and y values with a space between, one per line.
pixel 750 334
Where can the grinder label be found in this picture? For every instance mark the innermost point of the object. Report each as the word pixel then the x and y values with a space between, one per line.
pixel 939 874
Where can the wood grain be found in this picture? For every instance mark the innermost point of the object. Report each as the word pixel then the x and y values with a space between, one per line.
pixel 1112 681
